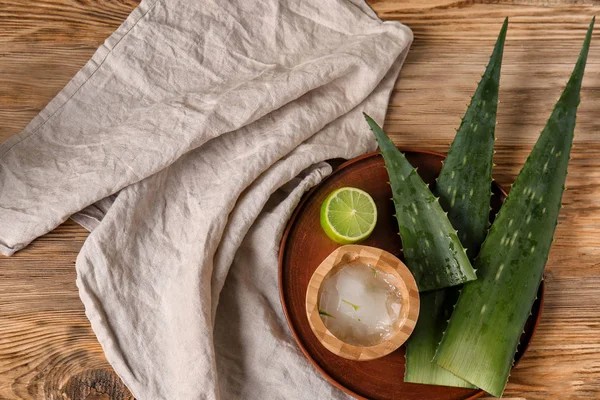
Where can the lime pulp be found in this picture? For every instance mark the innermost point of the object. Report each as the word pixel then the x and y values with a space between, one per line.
pixel 348 215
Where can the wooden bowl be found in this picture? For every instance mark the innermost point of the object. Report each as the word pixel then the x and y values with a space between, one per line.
pixel 379 259
pixel 304 246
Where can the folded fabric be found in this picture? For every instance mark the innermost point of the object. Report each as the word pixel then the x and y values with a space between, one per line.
pixel 184 145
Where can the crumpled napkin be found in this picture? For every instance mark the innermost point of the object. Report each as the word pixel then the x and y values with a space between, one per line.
pixel 184 145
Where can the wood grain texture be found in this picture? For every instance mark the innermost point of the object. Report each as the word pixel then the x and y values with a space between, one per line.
pixel 47 348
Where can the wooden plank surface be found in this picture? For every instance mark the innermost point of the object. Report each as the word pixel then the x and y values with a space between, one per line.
pixel 47 348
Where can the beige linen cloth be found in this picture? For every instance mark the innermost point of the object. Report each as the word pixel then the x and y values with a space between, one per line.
pixel 184 145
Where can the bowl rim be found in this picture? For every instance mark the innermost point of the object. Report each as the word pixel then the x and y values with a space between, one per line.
pixel 381 259
pixel 283 243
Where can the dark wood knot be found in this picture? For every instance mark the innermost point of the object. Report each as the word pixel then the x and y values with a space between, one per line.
pixel 95 384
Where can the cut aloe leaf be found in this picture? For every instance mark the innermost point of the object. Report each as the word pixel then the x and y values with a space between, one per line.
pixel 435 310
pixel 430 244
pixel 464 188
pixel 483 333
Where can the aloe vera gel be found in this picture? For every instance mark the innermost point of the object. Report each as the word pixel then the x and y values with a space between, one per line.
pixel 360 305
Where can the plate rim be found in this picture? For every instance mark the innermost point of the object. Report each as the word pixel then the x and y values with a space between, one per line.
pixel 283 243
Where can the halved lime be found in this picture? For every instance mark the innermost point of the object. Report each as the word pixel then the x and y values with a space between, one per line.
pixel 348 215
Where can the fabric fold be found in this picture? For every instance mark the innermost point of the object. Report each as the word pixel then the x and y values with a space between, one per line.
pixel 184 144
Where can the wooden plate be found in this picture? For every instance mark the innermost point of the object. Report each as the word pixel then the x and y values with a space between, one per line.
pixel 304 246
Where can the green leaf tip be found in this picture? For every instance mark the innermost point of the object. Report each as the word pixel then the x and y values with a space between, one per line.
pixel 570 95
pixel 468 165
pixel 494 309
pixel 431 248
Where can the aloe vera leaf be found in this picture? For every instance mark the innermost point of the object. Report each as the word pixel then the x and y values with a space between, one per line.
pixel 435 310
pixel 483 333
pixel 464 188
pixel 431 247
pixel 465 182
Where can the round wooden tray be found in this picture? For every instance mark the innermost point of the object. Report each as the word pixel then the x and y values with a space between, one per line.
pixel 304 246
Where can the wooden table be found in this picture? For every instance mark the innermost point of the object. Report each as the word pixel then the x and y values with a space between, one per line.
pixel 47 348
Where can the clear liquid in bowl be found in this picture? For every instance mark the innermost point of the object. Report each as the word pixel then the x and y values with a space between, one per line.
pixel 360 304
